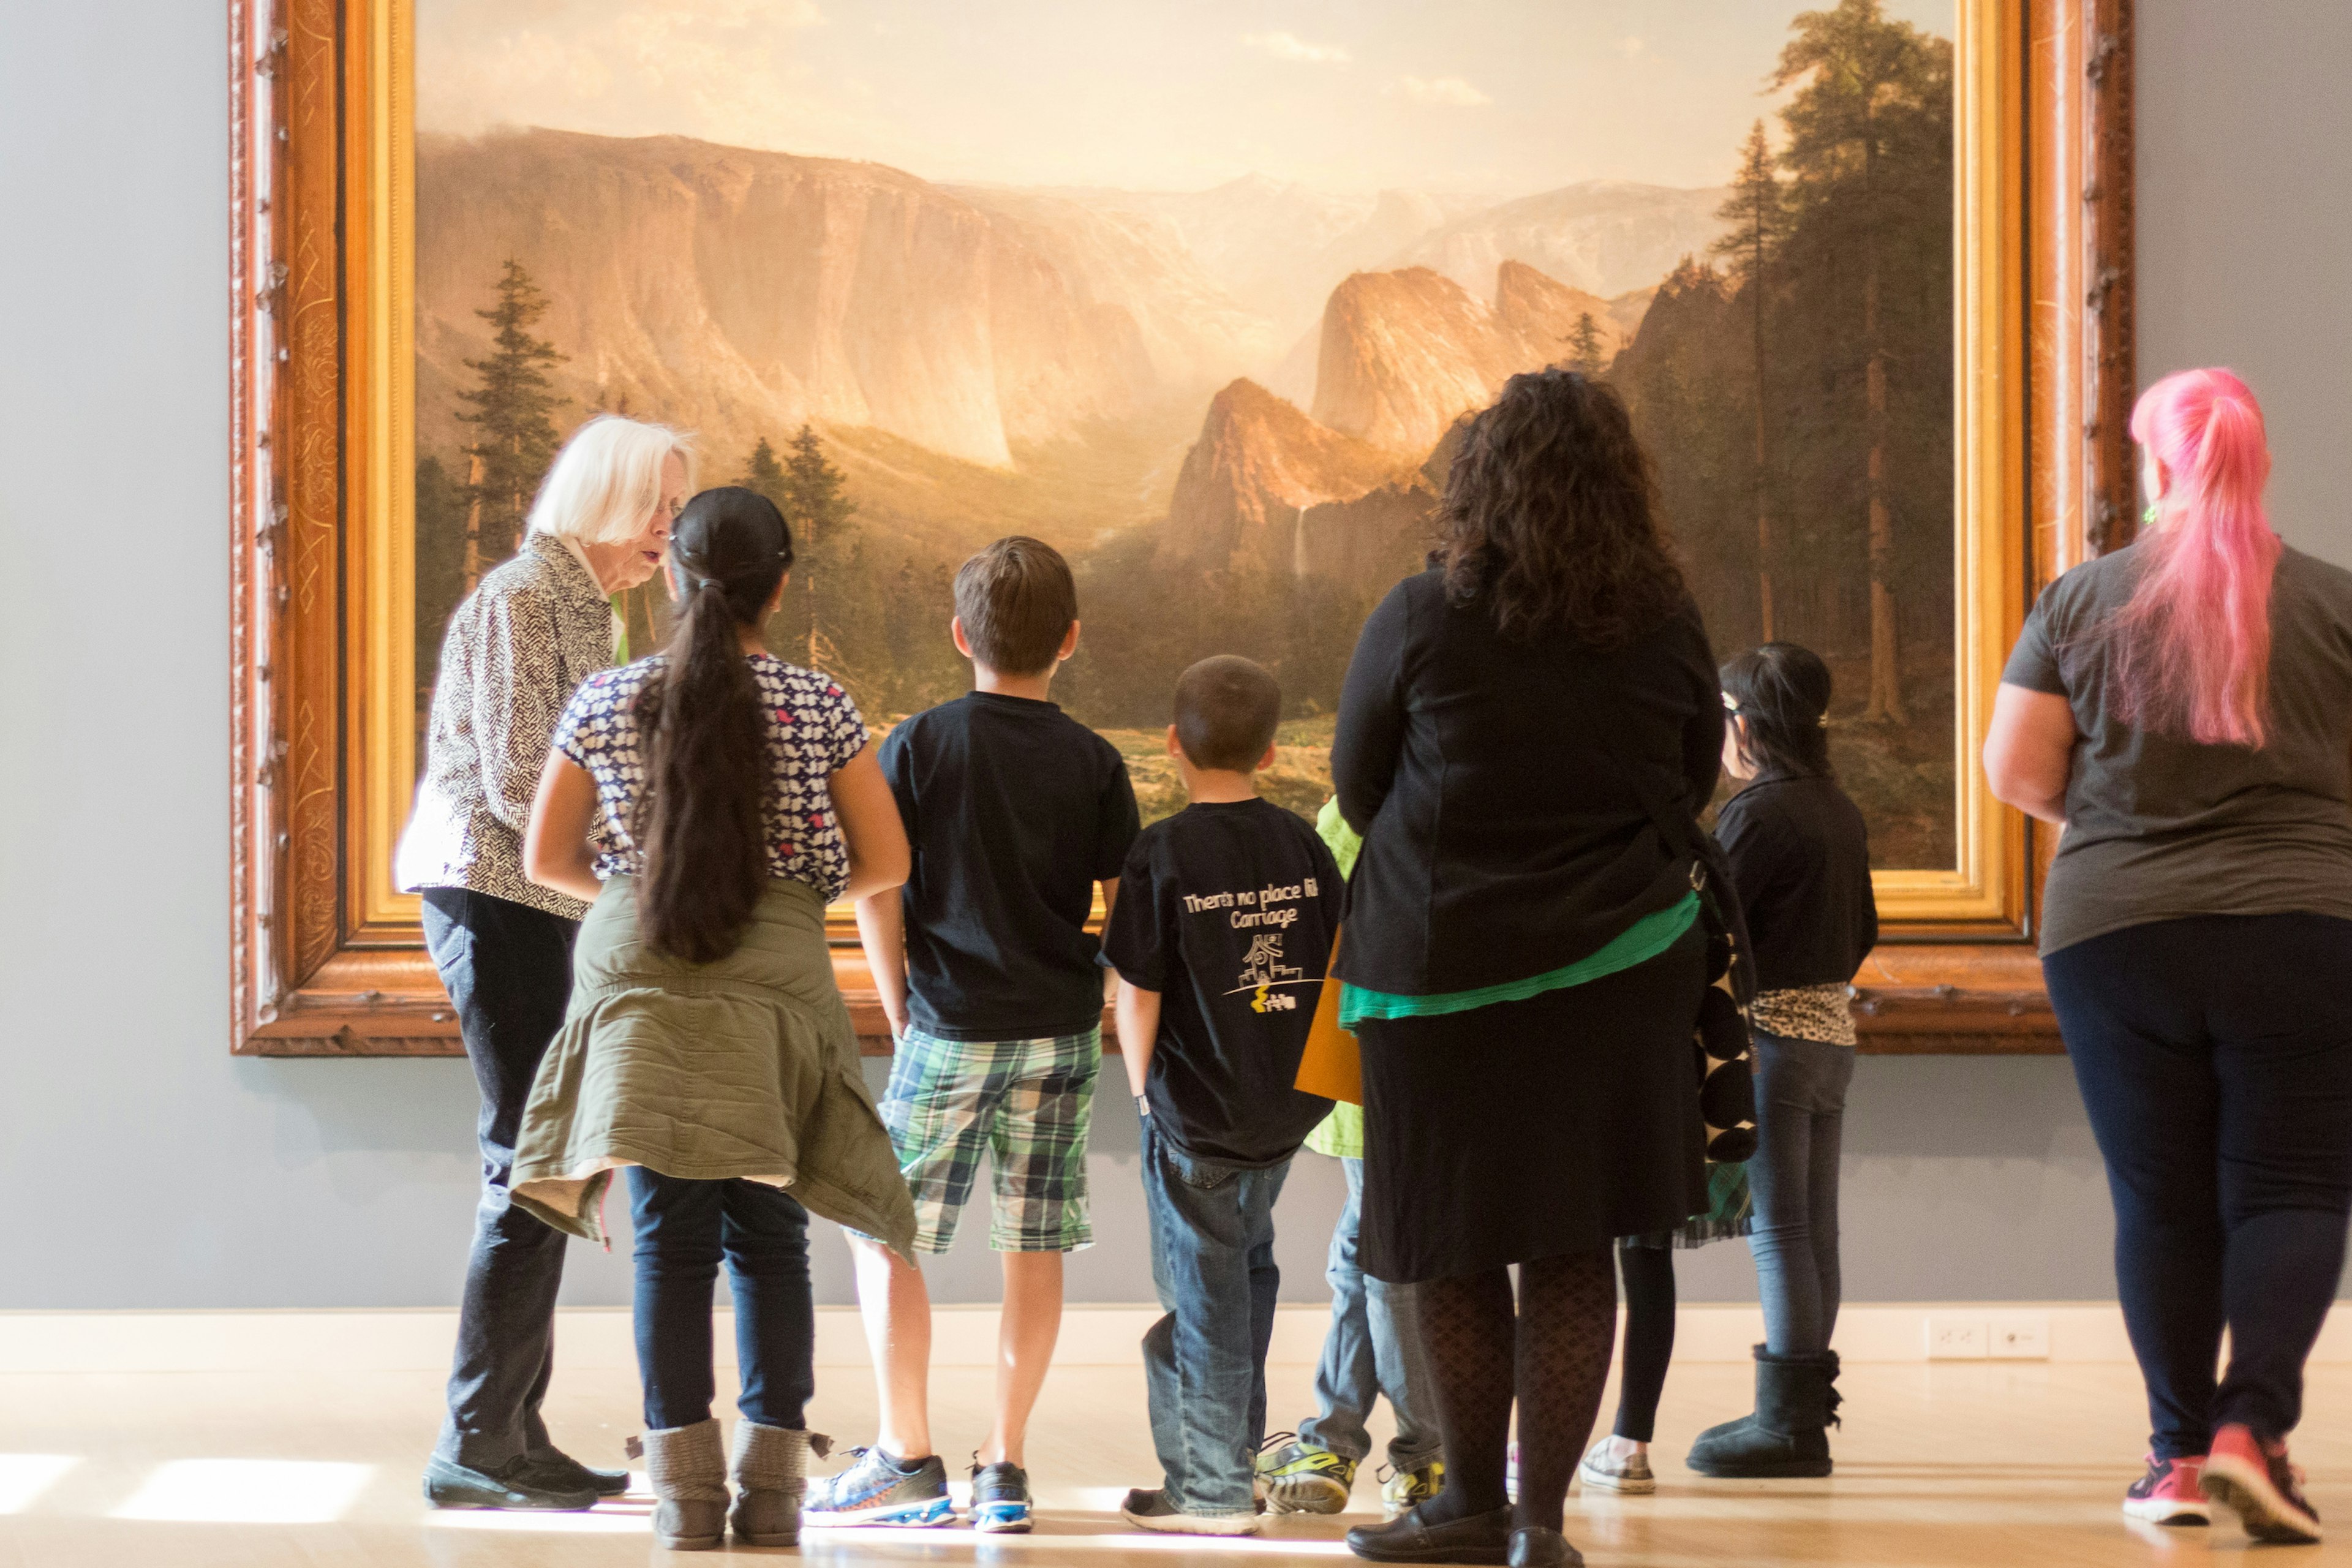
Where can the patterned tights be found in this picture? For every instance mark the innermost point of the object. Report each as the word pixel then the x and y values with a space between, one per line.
pixel 1552 1355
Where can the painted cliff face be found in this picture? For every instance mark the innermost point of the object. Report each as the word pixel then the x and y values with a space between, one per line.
pixel 1212 336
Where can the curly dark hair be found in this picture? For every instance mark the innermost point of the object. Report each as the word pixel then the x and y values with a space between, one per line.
pixel 1550 516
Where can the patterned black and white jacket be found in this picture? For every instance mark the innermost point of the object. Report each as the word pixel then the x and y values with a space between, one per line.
pixel 516 651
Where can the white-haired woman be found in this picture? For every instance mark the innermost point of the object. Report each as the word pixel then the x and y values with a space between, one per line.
pixel 517 647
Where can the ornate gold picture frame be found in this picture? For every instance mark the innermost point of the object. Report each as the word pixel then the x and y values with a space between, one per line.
pixel 327 954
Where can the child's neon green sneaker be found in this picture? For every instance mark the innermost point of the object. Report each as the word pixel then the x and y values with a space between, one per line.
pixel 1401 1489
pixel 1303 1480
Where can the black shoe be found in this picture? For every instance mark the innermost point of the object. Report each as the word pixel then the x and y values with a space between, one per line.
pixel 1796 1404
pixel 558 1471
pixel 1481 1538
pixel 448 1484
pixel 1534 1547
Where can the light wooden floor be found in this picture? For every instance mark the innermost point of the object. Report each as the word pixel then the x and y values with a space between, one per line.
pixel 1938 1467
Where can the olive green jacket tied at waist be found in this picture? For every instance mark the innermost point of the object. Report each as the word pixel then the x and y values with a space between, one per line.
pixel 745 1068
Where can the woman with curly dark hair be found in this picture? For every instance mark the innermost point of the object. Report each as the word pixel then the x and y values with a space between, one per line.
pixel 1523 958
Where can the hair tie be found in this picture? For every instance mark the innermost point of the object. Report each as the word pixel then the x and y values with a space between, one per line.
pixel 710 582
pixel 1823 721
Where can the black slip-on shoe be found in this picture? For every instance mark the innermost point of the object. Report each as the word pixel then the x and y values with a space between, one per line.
pixel 1481 1538
pixel 1532 1546
pixel 448 1484
pixel 558 1471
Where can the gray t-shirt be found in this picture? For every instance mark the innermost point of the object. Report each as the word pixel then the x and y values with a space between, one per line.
pixel 2160 828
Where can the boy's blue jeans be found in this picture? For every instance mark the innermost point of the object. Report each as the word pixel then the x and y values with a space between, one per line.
pixel 1373 1347
pixel 1205 1362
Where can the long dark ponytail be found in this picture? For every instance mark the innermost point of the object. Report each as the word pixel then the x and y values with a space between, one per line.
pixel 701 820
pixel 1782 691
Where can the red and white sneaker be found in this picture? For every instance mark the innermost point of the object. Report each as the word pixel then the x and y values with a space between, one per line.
pixel 2170 1493
pixel 2244 1473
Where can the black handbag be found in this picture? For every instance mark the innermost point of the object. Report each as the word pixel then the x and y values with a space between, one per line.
pixel 1726 1084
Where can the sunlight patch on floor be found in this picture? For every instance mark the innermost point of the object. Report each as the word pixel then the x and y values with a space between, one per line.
pixel 24 1477
pixel 606 1519
pixel 248 1491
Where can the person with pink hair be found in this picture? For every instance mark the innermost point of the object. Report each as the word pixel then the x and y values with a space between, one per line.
pixel 2182 708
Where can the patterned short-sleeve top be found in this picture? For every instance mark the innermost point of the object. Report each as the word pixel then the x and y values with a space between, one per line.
pixel 813 728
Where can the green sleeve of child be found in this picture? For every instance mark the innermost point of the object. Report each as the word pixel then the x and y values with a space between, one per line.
pixel 1339 838
pixel 1342 1133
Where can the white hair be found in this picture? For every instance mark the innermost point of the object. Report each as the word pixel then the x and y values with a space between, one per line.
pixel 607 480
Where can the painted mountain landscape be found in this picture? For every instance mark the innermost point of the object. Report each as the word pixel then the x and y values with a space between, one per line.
pixel 1230 402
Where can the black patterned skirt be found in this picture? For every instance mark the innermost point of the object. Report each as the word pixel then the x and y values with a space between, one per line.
pixel 1534 1129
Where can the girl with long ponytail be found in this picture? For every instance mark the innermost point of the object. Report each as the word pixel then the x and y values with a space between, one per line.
pixel 2181 712
pixel 712 800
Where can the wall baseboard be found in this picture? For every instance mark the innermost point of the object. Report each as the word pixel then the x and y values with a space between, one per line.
pixel 419 1340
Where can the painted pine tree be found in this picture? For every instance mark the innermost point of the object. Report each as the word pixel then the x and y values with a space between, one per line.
pixel 1585 345
pixel 1872 101
pixel 819 510
pixel 512 411
pixel 1756 211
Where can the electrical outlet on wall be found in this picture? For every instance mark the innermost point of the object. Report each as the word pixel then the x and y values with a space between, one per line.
pixel 1952 1337
pixel 2017 1336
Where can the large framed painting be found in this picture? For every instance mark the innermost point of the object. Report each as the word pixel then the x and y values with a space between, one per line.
pixel 1200 295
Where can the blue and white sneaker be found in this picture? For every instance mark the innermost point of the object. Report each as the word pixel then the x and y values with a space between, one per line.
pixel 879 1489
pixel 1000 1499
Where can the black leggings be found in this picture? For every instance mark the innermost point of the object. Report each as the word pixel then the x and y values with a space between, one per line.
pixel 1649 1273
pixel 2215 1059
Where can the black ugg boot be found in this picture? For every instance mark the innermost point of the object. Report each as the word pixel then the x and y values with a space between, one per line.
pixel 1796 1404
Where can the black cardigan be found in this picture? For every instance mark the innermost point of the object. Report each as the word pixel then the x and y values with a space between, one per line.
pixel 1492 783
pixel 1801 859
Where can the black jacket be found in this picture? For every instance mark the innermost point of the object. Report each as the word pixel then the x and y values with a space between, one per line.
pixel 1492 783
pixel 1801 860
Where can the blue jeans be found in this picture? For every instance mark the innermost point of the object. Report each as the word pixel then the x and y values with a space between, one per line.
pixel 1373 1347
pixel 1800 1125
pixel 1205 1362
pixel 508 970
pixel 683 1228
pixel 2215 1060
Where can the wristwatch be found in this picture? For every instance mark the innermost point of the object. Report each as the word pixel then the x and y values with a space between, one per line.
pixel 1143 1105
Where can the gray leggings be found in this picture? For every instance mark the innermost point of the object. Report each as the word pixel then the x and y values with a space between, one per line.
pixel 1800 1121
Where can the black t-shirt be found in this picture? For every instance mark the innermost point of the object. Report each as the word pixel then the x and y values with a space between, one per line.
pixel 1227 910
pixel 1015 811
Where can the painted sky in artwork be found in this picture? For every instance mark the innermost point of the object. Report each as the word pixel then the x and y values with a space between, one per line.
pixel 1478 96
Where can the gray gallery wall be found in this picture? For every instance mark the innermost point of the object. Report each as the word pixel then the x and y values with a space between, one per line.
pixel 143 1167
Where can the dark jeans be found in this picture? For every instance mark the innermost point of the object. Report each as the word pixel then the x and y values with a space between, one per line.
pixel 508 968
pixel 1205 1362
pixel 683 1228
pixel 1800 1088
pixel 2215 1059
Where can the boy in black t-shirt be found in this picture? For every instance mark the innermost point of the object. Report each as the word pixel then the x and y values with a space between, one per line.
pixel 994 987
pixel 1221 933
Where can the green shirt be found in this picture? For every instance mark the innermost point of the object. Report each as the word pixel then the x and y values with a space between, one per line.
pixel 1341 1134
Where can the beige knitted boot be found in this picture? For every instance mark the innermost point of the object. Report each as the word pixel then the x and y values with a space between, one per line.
pixel 687 1470
pixel 770 1470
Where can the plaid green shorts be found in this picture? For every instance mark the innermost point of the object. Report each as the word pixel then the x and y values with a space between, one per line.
pixel 1027 1103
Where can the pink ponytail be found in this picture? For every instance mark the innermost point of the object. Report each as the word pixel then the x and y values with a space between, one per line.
pixel 2195 640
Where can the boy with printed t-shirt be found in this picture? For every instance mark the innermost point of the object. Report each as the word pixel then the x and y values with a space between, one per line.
pixel 1220 934
pixel 994 987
